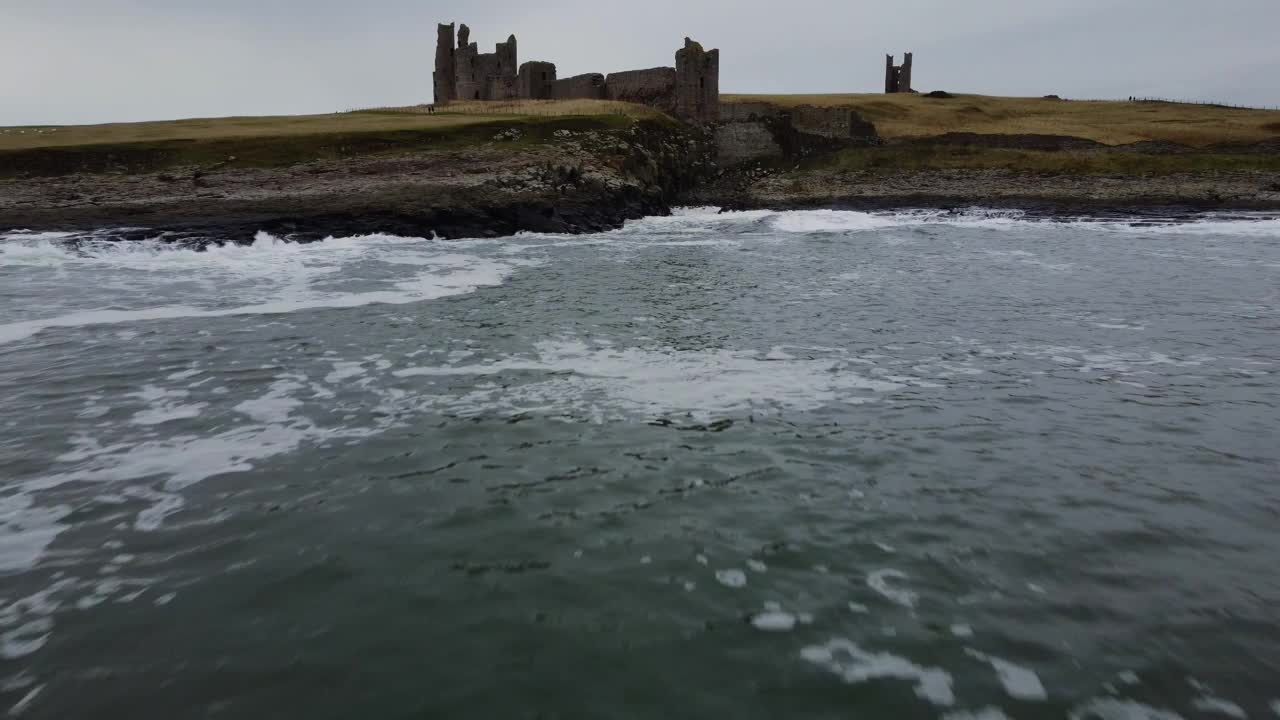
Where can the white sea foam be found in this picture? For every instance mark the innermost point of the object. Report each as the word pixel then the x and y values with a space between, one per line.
pixel 1019 682
pixel 774 621
pixel 990 713
pixel 732 578
pixel 1114 709
pixel 811 221
pixel 284 277
pixel 25 639
pixel 855 665
pixel 608 382
pixel 165 406
pixel 21 706
pixel 274 427
pixel 26 531
pixel 879 581
pixel 1219 706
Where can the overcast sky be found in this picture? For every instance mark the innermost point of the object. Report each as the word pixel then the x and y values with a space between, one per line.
pixel 85 61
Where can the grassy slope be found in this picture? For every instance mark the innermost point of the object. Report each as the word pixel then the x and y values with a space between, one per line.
pixel 1112 123
pixel 265 141
pixel 1079 163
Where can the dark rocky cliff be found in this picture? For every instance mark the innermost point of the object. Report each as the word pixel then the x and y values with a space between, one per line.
pixel 570 176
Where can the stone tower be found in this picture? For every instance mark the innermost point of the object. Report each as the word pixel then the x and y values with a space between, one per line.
pixel 444 80
pixel 897 79
pixel 697 83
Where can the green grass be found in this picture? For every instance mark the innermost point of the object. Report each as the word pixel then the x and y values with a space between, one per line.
pixel 269 141
pixel 909 158
pixel 1110 123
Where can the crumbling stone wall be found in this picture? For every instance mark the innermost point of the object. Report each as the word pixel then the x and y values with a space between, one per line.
pixel 898 79
pixel 838 123
pixel 738 142
pixel 475 75
pixel 655 87
pixel 757 130
pixel 741 112
pixel 536 81
pixel 690 90
pixel 500 88
pixel 580 87
pixel 697 83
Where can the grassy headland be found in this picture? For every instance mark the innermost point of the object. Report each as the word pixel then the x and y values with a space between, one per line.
pixel 1110 123
pixel 261 142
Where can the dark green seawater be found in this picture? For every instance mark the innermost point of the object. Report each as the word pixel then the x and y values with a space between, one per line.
pixel 800 465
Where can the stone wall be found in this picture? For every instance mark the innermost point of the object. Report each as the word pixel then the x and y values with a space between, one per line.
pixel 758 131
pixel 739 142
pixel 697 83
pixel 838 123
pixel 655 87
pixel 748 112
pixel 536 81
pixel 580 87
pixel 499 87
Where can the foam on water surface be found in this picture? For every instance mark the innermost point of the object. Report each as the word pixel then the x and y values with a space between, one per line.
pixel 882 581
pixel 1019 682
pixel 990 713
pixel 732 578
pixel 1117 709
pixel 854 401
pixel 855 665
pixel 1219 706
pixel 278 277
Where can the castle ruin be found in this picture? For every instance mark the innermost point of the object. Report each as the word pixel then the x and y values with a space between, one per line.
pixel 690 90
pixel 897 79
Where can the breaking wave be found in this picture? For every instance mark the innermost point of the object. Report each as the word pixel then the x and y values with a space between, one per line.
pixel 271 276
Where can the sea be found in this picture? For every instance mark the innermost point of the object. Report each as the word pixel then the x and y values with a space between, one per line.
pixel 966 464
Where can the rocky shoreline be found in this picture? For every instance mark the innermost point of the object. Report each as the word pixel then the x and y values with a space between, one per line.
pixel 577 182
pixel 1004 189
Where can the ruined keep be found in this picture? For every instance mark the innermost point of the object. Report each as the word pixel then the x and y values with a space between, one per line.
pixel 697 82
pixel 897 79
pixel 690 90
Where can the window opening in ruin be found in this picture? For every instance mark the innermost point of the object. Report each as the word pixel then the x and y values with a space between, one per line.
pixel 702 83
pixel 477 94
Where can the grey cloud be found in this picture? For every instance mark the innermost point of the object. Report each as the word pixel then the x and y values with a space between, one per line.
pixel 74 61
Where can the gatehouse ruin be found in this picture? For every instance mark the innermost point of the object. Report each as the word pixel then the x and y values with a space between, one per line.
pixel 690 90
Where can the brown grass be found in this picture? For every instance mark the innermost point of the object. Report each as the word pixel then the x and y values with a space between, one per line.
pixel 229 128
pixel 457 115
pixel 532 108
pixel 899 158
pixel 1112 123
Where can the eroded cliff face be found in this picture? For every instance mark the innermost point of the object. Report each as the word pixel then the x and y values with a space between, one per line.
pixel 516 178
